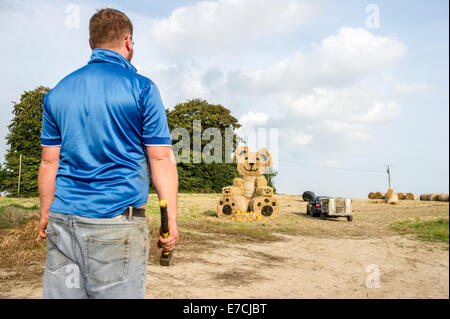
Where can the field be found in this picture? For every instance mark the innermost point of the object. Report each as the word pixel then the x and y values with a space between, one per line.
pixel 294 256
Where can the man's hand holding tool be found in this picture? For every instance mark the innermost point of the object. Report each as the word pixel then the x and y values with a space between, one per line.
pixel 169 235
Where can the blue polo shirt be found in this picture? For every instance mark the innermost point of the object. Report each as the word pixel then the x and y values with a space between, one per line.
pixel 102 116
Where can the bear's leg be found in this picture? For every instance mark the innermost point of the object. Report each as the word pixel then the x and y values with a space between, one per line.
pixel 265 206
pixel 228 206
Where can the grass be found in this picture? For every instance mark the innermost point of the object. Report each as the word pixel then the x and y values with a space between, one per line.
pixel 14 214
pixel 428 230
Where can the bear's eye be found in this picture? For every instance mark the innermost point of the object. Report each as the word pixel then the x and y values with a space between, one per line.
pixel 257 158
pixel 246 158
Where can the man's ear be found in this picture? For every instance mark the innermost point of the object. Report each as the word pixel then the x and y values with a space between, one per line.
pixel 264 157
pixel 241 153
pixel 91 45
pixel 129 42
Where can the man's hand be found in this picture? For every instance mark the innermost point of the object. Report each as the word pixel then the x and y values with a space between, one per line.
pixel 168 244
pixel 43 224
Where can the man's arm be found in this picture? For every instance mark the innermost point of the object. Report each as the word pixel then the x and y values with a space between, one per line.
pixel 46 183
pixel 165 178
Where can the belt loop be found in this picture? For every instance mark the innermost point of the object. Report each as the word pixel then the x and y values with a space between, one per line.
pixel 130 213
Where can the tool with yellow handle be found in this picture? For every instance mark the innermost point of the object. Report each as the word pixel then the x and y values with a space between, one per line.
pixel 165 255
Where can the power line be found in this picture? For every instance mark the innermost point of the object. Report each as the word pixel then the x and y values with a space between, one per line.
pixel 338 168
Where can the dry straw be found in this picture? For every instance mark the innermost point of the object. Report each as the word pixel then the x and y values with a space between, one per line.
pixel 22 246
pixel 443 197
pixel 380 195
pixel 434 197
pixel 411 196
pixel 391 197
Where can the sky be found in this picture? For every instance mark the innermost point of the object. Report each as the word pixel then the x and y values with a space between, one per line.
pixel 347 86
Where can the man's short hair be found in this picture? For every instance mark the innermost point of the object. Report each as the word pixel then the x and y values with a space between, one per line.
pixel 108 27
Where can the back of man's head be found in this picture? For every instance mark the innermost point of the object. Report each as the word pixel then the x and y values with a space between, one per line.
pixel 109 29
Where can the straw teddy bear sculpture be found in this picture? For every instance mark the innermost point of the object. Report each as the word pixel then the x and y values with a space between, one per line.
pixel 249 198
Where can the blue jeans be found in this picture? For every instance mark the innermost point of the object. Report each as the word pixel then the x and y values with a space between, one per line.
pixel 96 258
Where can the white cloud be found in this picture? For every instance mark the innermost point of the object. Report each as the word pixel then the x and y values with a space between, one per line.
pixel 178 82
pixel 252 119
pixel 336 91
pixel 338 61
pixel 353 104
pixel 301 139
pixel 346 90
pixel 410 88
pixel 224 25
pixel 330 163
pixel 358 52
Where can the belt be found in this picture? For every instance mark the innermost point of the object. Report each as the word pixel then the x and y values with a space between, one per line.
pixel 132 211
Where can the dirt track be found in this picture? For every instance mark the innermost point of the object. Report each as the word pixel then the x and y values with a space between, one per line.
pixel 299 267
pixel 305 267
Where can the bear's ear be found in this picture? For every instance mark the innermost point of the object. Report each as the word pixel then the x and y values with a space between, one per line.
pixel 264 157
pixel 241 153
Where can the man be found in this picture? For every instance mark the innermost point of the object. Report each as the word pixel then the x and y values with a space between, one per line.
pixel 102 125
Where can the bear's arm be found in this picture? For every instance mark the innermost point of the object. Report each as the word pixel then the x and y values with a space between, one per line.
pixel 260 181
pixel 239 182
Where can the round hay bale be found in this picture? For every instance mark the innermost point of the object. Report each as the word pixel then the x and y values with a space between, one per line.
pixel 423 197
pixel 380 195
pixel 434 197
pixel 443 197
pixel 401 196
pixel 371 195
pixel 411 196
pixel 266 207
pixel 391 197
pixel 228 206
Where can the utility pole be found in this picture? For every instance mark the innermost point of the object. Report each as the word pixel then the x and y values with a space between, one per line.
pixel 20 171
pixel 389 176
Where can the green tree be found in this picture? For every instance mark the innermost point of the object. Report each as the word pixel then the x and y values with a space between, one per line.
pixel 270 176
pixel 3 176
pixel 24 138
pixel 204 177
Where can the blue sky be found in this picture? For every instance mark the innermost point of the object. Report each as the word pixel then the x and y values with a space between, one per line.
pixel 346 99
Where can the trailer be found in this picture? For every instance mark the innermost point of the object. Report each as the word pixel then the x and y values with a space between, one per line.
pixel 326 206
pixel 337 207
